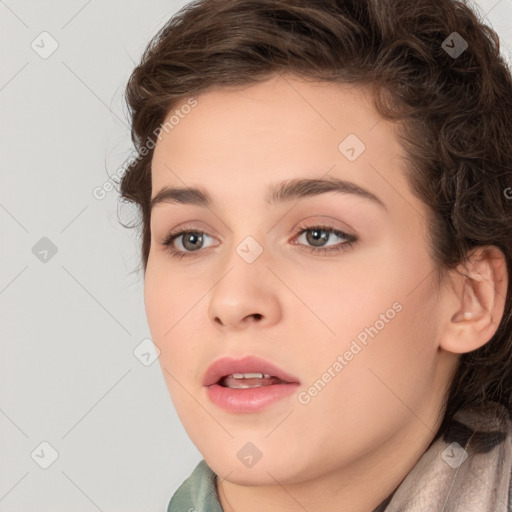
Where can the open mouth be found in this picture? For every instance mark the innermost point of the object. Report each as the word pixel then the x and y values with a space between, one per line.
pixel 247 385
pixel 249 392
pixel 249 380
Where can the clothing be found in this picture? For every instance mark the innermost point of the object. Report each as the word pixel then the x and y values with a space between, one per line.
pixel 467 469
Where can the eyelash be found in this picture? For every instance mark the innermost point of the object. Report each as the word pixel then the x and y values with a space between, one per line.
pixel 342 246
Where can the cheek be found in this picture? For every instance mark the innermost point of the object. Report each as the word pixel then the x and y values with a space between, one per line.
pixel 339 304
pixel 173 309
pixel 159 306
pixel 388 358
pixel 173 315
pixel 385 330
pixel 167 298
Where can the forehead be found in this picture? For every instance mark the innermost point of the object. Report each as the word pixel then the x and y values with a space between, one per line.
pixel 236 141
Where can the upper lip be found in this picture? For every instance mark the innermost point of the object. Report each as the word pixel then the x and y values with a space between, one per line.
pixel 248 364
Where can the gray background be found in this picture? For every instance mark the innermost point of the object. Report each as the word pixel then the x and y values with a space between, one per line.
pixel 71 373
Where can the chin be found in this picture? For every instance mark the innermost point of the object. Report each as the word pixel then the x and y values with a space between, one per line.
pixel 264 472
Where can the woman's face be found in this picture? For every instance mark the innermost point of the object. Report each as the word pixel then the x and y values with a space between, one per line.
pixel 354 325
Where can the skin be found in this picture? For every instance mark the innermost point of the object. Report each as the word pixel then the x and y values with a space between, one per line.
pixel 356 440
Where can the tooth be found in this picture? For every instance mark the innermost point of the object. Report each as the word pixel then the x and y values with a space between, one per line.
pixel 248 375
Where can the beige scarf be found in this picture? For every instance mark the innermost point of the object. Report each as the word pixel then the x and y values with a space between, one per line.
pixel 468 469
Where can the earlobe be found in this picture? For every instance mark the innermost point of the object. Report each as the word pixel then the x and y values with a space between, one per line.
pixel 478 300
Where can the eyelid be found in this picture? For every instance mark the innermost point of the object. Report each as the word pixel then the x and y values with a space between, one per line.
pixel 188 227
pixel 326 222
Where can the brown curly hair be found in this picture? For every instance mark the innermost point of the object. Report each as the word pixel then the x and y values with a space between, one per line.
pixel 456 114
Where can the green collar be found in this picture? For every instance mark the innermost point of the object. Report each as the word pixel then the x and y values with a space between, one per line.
pixel 198 493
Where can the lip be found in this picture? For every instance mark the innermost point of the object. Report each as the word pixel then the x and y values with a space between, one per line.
pixel 250 399
pixel 248 364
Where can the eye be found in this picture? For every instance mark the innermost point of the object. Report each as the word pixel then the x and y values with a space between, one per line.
pixel 317 236
pixel 187 241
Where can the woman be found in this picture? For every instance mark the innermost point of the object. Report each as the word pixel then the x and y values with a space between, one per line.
pixel 325 198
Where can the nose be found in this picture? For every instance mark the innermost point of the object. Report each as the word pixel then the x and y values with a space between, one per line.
pixel 247 294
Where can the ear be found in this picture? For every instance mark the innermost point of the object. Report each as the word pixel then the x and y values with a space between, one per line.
pixel 477 300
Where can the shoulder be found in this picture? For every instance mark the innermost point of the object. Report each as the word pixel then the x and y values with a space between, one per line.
pixel 198 493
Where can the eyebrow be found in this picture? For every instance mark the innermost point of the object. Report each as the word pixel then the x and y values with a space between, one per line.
pixel 283 191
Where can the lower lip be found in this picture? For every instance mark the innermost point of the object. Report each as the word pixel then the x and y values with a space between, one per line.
pixel 249 399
